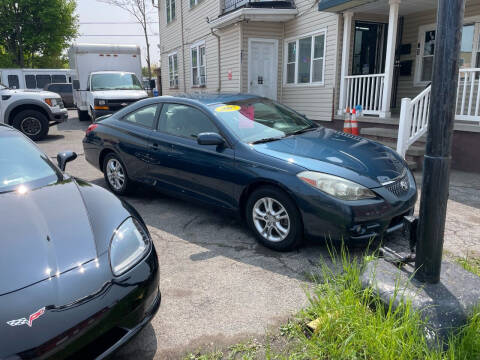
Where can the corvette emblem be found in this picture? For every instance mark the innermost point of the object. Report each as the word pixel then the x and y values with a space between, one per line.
pixel 31 318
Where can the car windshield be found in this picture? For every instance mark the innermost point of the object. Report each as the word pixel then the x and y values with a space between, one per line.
pixel 115 81
pixel 21 163
pixel 261 120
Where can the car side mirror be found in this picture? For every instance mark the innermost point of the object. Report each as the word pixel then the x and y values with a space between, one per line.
pixel 76 84
pixel 210 138
pixel 64 157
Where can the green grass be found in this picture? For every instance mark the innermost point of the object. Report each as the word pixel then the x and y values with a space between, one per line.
pixel 355 324
pixel 470 264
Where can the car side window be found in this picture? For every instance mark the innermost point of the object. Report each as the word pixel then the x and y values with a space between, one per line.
pixel 184 121
pixel 145 116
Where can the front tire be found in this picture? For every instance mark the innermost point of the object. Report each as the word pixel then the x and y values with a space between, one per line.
pixel 83 115
pixel 274 219
pixel 32 123
pixel 115 174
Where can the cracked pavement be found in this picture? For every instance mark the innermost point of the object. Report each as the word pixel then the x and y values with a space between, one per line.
pixel 218 285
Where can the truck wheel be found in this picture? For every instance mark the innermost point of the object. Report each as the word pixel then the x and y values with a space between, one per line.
pixel 32 123
pixel 83 115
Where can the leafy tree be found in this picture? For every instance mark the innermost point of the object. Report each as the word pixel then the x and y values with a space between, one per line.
pixel 35 32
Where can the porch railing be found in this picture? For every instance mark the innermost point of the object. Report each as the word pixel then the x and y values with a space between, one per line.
pixel 365 90
pixel 413 120
pixel 468 95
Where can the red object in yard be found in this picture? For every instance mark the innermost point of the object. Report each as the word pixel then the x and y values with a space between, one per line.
pixel 347 126
pixel 354 123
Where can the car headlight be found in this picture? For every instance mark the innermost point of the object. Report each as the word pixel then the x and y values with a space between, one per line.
pixel 336 186
pixel 130 242
pixel 52 101
pixel 101 102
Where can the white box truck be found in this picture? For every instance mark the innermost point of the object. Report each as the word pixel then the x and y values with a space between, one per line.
pixel 105 78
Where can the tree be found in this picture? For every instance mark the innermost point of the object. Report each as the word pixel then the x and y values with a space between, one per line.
pixel 35 32
pixel 140 10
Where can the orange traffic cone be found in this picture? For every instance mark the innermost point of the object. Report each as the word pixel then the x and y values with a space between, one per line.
pixel 347 126
pixel 354 123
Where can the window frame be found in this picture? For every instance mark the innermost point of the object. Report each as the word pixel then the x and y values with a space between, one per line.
pixel 197 46
pixel 155 121
pixel 30 76
pixel 207 115
pixel 195 3
pixel 296 40
pixel 17 81
pixel 173 55
pixel 172 13
pixel 422 30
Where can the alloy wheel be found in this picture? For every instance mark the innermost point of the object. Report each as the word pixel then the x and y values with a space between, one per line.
pixel 31 126
pixel 271 219
pixel 115 174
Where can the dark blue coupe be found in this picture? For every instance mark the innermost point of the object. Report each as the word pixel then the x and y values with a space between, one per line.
pixel 286 175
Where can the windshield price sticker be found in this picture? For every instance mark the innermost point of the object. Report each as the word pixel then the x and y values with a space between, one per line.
pixel 227 108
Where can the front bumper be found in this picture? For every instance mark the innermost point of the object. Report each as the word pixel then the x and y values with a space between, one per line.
pixel 88 314
pixel 58 115
pixel 360 221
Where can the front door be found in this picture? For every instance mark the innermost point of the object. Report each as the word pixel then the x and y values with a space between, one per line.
pixel 263 67
pixel 369 48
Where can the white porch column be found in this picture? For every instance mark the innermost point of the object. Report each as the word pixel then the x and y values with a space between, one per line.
pixel 347 35
pixel 390 57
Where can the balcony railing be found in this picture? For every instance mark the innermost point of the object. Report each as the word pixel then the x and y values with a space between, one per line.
pixel 231 5
pixel 468 95
pixel 365 90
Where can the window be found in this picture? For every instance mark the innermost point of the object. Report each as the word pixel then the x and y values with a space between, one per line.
pixel 173 70
pixel 199 76
pixel 145 116
pixel 170 10
pixel 43 80
pixel 30 81
pixel 184 121
pixel 305 59
pixel 469 51
pixel 194 2
pixel 59 79
pixel 13 81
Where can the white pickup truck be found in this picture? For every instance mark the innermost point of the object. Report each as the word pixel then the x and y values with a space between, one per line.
pixel 30 111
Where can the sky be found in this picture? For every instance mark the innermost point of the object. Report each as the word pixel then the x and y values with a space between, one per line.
pixel 96 18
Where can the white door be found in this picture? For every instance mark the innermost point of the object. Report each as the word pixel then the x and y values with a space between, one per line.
pixel 263 67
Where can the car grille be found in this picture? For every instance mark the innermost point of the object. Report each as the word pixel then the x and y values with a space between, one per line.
pixel 400 186
pixel 118 104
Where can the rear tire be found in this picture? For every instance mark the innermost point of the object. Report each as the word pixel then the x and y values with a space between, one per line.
pixel 83 115
pixel 115 174
pixel 274 219
pixel 32 123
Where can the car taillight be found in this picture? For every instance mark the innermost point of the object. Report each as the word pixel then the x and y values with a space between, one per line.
pixel 91 128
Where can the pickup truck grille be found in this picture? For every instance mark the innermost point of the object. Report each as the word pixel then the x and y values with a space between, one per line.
pixel 118 104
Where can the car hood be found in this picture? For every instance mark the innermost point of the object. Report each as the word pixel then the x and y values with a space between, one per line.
pixel 47 230
pixel 120 94
pixel 330 151
pixel 34 93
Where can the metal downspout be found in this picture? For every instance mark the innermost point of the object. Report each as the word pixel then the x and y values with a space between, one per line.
pixel 219 88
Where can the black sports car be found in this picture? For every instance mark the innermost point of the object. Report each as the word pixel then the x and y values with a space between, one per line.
pixel 79 273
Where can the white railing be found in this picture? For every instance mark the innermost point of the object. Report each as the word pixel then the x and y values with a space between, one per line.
pixel 413 120
pixel 365 90
pixel 468 95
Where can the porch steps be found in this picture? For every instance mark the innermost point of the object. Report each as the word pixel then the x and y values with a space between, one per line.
pixel 388 137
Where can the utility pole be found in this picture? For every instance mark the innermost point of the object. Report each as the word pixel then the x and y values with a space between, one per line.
pixel 436 170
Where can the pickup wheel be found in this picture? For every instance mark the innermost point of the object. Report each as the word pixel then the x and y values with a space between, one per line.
pixel 83 115
pixel 32 123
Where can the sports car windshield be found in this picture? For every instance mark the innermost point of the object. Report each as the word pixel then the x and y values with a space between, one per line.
pixel 261 120
pixel 21 163
pixel 115 81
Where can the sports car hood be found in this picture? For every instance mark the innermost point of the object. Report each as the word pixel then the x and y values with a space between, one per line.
pixel 44 231
pixel 318 150
pixel 120 94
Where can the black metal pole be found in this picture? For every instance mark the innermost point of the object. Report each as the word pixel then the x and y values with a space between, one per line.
pixel 436 169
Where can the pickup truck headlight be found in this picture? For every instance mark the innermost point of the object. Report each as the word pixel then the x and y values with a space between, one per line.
pixel 100 104
pixel 130 242
pixel 336 186
pixel 53 101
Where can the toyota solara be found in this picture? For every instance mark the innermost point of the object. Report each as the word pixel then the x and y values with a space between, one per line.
pixel 285 175
pixel 79 271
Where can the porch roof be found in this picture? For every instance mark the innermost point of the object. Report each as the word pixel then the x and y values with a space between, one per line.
pixel 376 6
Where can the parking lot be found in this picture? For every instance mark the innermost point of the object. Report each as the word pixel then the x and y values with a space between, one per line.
pixel 218 286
